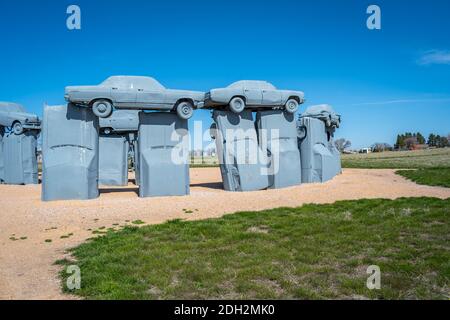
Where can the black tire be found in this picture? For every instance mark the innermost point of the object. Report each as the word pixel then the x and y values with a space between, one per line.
pixel 185 110
pixel 237 105
pixel 102 108
pixel 17 128
pixel 291 105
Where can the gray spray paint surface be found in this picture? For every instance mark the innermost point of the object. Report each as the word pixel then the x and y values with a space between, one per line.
pixel 18 147
pixel 70 153
pixel 118 138
pixel 320 160
pixel 132 92
pixel 277 132
pixel 239 155
pixel 121 121
pixel 11 113
pixel 19 158
pixel 113 160
pixel 163 155
pixel 256 93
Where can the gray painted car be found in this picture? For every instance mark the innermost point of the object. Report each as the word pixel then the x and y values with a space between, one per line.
pixel 120 121
pixel 253 94
pixel 15 117
pixel 325 113
pixel 133 92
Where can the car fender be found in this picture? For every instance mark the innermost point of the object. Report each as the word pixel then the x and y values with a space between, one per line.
pixel 225 95
pixel 286 94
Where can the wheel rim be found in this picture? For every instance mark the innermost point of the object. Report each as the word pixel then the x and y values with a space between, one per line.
pixel 101 107
pixel 292 105
pixel 185 109
pixel 17 128
pixel 237 105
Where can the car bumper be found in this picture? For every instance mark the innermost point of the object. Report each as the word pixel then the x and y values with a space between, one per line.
pixel 32 125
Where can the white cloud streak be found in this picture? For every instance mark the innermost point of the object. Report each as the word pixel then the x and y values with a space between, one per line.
pixel 434 57
pixel 399 101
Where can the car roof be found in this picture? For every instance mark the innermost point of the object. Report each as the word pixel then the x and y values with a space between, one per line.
pixel 11 107
pixel 252 84
pixel 131 82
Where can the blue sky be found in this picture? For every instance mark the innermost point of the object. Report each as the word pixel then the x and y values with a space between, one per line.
pixel 383 82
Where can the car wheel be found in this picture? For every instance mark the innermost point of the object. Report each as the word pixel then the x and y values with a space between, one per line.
pixel 291 106
pixel 17 128
pixel 185 110
pixel 102 108
pixel 237 105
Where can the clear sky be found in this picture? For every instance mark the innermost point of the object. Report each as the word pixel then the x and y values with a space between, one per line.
pixel 383 82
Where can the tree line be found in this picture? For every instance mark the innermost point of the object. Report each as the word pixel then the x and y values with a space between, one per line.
pixel 410 140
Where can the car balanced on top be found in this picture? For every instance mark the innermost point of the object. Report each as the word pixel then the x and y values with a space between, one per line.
pixel 253 94
pixel 17 119
pixel 133 92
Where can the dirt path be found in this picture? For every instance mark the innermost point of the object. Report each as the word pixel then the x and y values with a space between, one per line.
pixel 26 266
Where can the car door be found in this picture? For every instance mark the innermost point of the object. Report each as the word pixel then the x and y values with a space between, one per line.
pixel 150 98
pixel 252 95
pixel 271 97
pixel 124 95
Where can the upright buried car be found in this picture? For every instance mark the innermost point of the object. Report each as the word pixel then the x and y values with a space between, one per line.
pixel 15 117
pixel 255 95
pixel 132 92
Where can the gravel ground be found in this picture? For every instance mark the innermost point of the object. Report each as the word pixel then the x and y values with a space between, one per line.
pixel 26 265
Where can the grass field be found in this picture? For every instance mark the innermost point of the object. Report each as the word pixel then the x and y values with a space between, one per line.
pixel 428 176
pixel 432 158
pixel 433 165
pixel 199 162
pixel 315 251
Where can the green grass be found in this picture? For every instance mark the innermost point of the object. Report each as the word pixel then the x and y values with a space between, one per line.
pixel 206 162
pixel 429 176
pixel 431 158
pixel 315 251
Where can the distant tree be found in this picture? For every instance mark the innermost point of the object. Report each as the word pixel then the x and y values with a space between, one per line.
pixel 420 138
pixel 432 140
pixel 342 144
pixel 400 143
pixel 381 147
pixel 411 142
pixel 442 142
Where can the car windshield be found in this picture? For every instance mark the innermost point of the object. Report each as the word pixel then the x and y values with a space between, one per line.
pixel 252 84
pixel 127 82
pixel 11 107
